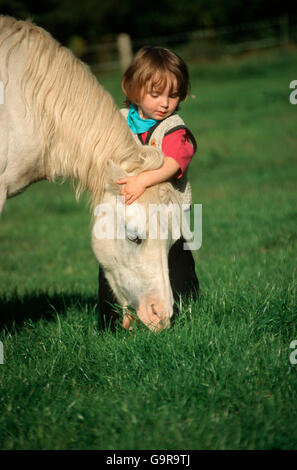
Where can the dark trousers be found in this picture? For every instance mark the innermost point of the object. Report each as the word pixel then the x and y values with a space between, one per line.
pixel 183 280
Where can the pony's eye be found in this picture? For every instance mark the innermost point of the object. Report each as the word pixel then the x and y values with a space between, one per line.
pixel 134 239
pixel 133 236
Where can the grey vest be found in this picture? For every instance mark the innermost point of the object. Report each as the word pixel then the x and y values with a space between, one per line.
pixel 155 137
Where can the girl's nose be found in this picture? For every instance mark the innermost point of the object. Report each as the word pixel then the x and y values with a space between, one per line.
pixel 165 102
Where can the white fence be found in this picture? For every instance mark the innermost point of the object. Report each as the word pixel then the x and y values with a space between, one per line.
pixel 206 43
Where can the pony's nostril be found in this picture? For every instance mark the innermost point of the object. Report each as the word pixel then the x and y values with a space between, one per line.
pixel 163 320
pixel 155 311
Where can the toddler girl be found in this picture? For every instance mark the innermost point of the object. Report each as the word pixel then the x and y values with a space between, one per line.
pixel 154 84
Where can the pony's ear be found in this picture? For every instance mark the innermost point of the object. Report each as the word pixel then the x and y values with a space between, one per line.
pixel 113 173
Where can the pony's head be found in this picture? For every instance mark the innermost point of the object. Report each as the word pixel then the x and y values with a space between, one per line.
pixel 132 244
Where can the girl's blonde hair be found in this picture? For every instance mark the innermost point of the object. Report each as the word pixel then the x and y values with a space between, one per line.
pixel 150 69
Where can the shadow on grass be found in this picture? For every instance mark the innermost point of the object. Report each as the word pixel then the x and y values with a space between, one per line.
pixel 16 308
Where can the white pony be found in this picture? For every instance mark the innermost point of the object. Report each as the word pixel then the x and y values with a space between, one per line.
pixel 56 120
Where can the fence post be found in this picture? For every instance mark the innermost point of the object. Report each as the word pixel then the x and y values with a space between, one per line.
pixel 124 50
pixel 284 29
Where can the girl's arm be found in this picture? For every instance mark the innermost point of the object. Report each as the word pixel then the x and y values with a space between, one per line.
pixel 136 185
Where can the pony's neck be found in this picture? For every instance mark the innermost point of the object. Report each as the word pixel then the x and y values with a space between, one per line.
pixel 86 135
pixel 80 126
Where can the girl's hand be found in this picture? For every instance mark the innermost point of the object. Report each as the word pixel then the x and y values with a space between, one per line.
pixel 134 187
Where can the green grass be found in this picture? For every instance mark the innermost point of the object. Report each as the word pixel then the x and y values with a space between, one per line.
pixel 220 378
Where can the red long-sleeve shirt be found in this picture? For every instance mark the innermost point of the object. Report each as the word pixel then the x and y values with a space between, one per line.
pixel 176 145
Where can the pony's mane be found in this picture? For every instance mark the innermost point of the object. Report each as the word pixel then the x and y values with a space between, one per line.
pixel 81 126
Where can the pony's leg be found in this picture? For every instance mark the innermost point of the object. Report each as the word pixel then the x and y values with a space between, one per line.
pixel 3 194
pixel 20 173
pixel 11 184
pixel 3 154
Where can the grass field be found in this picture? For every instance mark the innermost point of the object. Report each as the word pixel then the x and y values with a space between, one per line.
pixel 221 377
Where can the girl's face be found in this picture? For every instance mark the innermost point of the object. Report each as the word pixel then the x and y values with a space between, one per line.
pixel 158 105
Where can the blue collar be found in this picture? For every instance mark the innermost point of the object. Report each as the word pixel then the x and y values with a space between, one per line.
pixel 136 123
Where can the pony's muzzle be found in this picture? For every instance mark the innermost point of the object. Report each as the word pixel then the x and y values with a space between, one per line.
pixel 154 315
